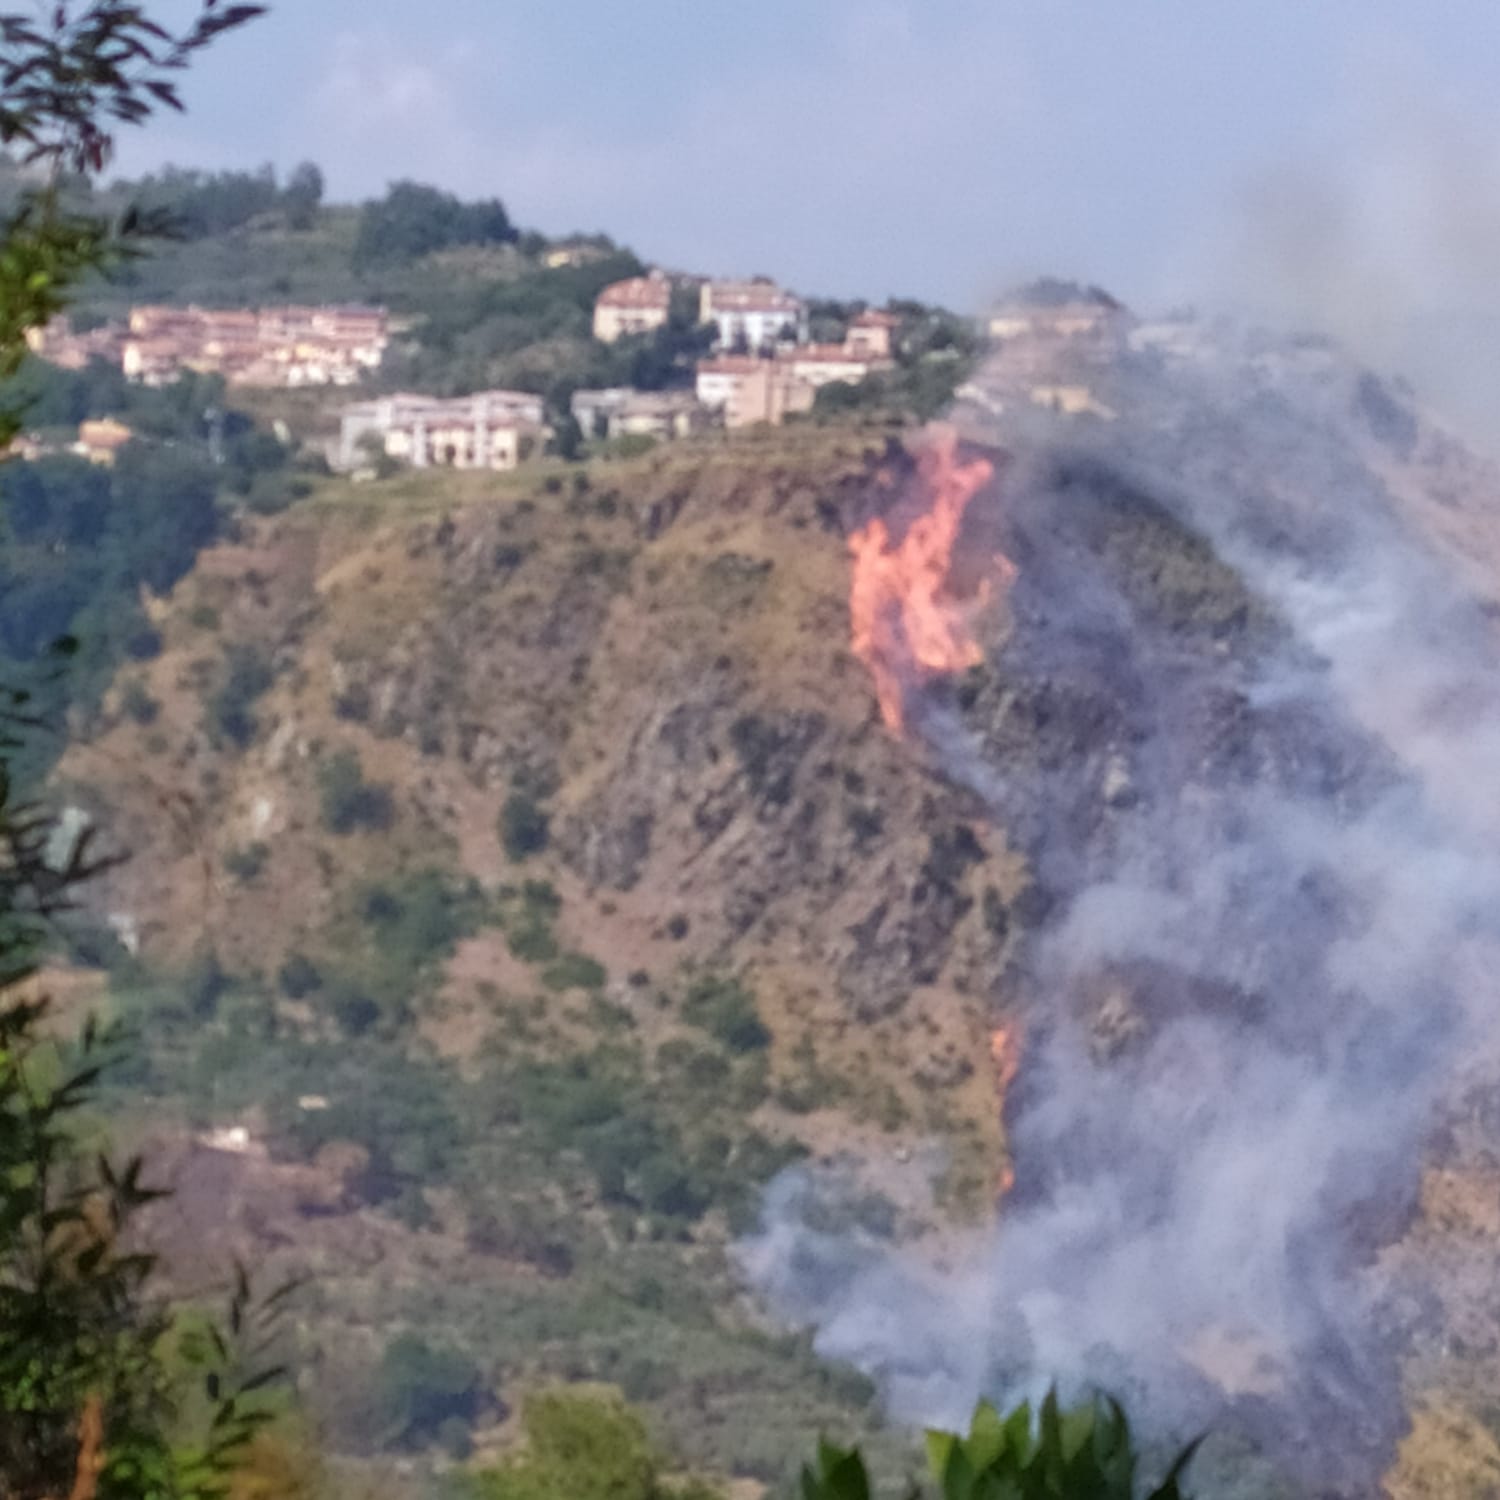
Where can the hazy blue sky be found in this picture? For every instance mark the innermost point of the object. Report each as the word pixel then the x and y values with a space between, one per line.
pixel 931 147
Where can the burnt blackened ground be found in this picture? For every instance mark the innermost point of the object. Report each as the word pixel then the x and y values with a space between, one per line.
pixel 1145 722
pixel 1133 678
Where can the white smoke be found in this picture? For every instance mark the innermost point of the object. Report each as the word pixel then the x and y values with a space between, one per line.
pixel 1386 240
pixel 1311 952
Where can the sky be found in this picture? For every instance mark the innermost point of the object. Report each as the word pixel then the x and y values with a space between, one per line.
pixel 1341 155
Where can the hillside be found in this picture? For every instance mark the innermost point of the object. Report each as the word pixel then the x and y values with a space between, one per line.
pixel 753 932
pixel 523 865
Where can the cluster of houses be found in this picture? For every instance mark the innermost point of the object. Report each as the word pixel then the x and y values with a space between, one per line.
pixel 284 347
pixel 1048 345
pixel 777 379
pixel 761 369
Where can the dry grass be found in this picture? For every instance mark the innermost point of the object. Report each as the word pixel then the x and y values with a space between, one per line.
pixel 1446 1456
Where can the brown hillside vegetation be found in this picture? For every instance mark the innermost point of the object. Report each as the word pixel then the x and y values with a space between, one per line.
pixel 752 904
pixel 661 646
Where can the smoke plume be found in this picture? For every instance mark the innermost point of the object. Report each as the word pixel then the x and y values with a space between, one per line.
pixel 1388 244
pixel 1245 726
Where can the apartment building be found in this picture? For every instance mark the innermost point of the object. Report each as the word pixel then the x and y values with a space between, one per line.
pixel 270 346
pixel 58 344
pixel 872 334
pixel 489 430
pixel 752 315
pixel 622 412
pixel 639 305
pixel 748 390
pixel 822 364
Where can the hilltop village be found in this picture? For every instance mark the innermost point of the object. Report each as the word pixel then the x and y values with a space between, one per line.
pixel 753 360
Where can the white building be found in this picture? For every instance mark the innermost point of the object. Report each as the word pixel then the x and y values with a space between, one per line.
pixel 489 430
pixel 1172 338
pixel 1071 401
pixel 752 314
pixel 719 380
pixel 1059 311
pixel 621 412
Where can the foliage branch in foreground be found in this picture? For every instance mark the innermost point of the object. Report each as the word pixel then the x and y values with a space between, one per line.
pixel 96 1369
pixel 1085 1453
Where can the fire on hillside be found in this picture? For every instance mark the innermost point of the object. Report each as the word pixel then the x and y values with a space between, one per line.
pixel 1237 1036
pixel 905 620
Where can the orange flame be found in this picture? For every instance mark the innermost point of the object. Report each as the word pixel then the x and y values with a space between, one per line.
pixel 902 619
pixel 1005 1050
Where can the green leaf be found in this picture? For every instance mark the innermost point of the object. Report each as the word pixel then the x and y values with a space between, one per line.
pixel 1077 1427
pixel 987 1436
pixel 940 1446
pixel 840 1475
pixel 959 1476
pixel 849 1480
pixel 269 1376
pixel 1050 1427
pixel 1018 1431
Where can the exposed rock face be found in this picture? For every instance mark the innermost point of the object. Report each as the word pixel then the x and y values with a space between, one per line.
pixel 761 825
pixel 664 665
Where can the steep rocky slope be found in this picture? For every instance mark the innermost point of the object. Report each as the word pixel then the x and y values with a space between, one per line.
pixel 758 929
pixel 658 651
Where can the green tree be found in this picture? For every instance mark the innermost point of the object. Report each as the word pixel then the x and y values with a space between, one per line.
pixel 423 1388
pixel 247 675
pixel 196 205
pixel 583 1445
pixel 348 801
pixel 77 543
pixel 167 499
pixel 303 196
pixel 567 438
pixel 525 828
pixel 89 1380
pixel 727 1010
pixel 414 220
pixel 88 1386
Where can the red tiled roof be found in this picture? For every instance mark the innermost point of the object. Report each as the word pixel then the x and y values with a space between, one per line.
pixel 825 354
pixel 639 291
pixel 732 364
pixel 751 296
